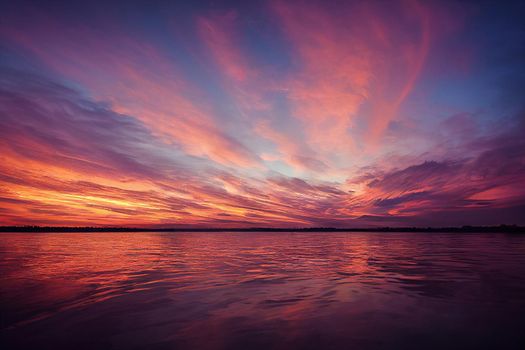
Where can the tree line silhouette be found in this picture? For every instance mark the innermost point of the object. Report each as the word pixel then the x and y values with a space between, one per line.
pixel 466 229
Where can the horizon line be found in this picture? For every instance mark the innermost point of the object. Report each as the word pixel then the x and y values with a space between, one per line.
pixel 465 228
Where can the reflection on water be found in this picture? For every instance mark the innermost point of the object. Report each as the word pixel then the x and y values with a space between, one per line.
pixel 262 290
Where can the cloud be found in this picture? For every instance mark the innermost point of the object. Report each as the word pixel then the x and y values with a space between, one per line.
pixel 68 160
pixel 219 32
pixel 137 78
pixel 295 154
pixel 348 57
pixel 489 179
pixel 276 114
pixel 44 121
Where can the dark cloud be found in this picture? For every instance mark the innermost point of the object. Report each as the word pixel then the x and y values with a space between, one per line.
pixel 392 202
pixel 487 188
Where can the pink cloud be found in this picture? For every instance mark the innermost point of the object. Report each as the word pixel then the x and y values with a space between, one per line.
pixel 127 133
pixel 219 33
pixel 139 80
pixel 347 56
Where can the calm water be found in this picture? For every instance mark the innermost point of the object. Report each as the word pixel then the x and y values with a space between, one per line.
pixel 262 290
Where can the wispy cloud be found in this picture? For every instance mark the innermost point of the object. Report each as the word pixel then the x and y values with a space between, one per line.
pixel 270 114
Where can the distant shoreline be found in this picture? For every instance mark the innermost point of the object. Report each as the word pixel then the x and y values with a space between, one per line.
pixel 466 229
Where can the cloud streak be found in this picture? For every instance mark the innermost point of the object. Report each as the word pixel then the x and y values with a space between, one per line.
pixel 270 114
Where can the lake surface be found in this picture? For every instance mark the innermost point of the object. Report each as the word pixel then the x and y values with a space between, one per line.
pixel 262 291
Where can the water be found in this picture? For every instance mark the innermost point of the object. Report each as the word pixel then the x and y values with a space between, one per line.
pixel 262 290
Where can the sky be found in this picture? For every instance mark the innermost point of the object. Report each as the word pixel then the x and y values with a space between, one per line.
pixel 262 113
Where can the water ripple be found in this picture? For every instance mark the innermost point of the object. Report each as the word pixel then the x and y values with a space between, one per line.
pixel 262 290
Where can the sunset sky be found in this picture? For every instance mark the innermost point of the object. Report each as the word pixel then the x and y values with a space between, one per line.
pixel 262 113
